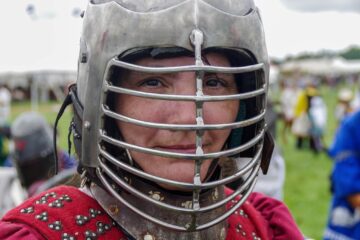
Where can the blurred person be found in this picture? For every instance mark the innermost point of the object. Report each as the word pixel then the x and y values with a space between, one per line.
pixel 302 125
pixel 355 103
pixel 157 108
pixel 344 216
pixel 32 156
pixel 5 107
pixel 33 153
pixel 343 106
pixel 288 100
pixel 318 119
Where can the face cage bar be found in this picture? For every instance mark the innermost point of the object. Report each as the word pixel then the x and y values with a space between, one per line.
pixel 192 226
pixel 199 68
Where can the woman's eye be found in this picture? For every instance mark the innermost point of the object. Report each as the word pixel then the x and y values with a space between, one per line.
pixel 214 82
pixel 152 82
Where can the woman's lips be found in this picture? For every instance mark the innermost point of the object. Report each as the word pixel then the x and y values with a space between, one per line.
pixel 190 149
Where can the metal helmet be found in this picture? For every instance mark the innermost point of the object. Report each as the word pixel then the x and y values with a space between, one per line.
pixel 33 153
pixel 119 31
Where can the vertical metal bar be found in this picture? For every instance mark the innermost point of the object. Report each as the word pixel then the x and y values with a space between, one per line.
pixel 197 40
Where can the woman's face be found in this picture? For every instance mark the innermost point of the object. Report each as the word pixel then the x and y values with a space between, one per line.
pixel 175 112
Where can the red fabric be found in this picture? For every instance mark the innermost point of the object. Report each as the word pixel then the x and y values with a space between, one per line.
pixel 259 216
pixel 18 231
pixel 74 203
pixel 281 223
pixel 263 217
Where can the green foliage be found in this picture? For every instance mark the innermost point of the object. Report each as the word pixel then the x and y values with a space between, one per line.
pixel 351 53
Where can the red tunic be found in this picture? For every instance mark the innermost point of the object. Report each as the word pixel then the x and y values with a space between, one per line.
pixel 68 213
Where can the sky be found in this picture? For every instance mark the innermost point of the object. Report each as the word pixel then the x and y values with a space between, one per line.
pixel 297 26
pixel 45 33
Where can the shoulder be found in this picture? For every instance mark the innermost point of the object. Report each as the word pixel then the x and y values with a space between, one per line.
pixel 277 215
pixel 263 217
pixel 64 212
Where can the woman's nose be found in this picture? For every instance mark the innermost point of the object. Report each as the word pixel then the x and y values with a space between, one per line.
pixel 183 112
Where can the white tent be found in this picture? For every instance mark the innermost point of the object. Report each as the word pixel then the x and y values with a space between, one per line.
pixel 324 66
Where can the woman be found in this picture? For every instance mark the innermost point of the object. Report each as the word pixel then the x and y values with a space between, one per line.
pixel 168 94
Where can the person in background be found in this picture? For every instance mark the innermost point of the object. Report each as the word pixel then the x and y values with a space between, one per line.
pixel 302 124
pixel 344 215
pixel 166 91
pixel 32 158
pixel 318 119
pixel 288 100
pixel 5 109
pixel 343 106
pixel 33 151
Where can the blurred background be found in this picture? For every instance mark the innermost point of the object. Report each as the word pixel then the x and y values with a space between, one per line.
pixel 314 48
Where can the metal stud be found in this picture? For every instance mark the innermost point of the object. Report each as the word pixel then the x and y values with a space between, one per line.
pixel 42 216
pixel 238 227
pixel 156 195
pixel 187 204
pixel 81 220
pixel 87 125
pixel 27 210
pixel 65 198
pixel 93 212
pixel 255 237
pixel 66 236
pixel 58 203
pixel 149 237
pixel 57 226
pixel 101 227
pixel 113 209
pixel 90 235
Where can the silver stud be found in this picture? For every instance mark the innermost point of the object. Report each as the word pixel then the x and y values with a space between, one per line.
pixel 187 204
pixel 42 217
pixel 93 212
pixel 87 125
pixel 81 220
pixel 66 236
pixel 102 227
pixel 89 235
pixel 149 237
pixel 156 195
pixel 27 210
pixel 57 226
pixel 65 198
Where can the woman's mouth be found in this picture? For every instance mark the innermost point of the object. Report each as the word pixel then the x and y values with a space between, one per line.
pixel 189 149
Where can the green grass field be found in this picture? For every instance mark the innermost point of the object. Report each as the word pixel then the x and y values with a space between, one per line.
pixel 306 188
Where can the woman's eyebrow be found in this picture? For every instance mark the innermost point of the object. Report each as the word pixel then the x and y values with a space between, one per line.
pixel 146 74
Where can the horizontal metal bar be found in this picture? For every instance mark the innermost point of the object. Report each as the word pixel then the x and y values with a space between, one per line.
pixel 187 127
pixel 251 180
pixel 194 98
pixel 225 153
pixel 184 185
